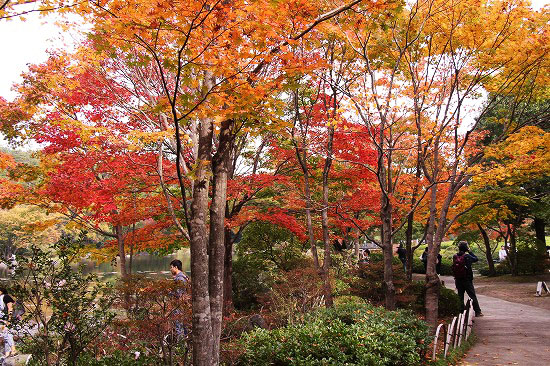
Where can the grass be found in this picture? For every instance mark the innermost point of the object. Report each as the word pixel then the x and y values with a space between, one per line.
pixel 455 354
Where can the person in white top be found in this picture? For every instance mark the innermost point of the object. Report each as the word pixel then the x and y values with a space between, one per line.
pixel 502 254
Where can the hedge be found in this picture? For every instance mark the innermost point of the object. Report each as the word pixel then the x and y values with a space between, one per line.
pixel 350 334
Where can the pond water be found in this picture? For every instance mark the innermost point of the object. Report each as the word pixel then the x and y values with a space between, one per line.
pixel 142 263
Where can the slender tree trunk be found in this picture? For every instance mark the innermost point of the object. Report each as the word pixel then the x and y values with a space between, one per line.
pixel 512 255
pixel 488 250
pixel 309 222
pixel 220 163
pixel 386 238
pixel 389 287
pixel 121 251
pixel 408 246
pixel 228 274
pixel 198 225
pixel 324 222
pixel 432 279
pixel 540 225
pixel 132 249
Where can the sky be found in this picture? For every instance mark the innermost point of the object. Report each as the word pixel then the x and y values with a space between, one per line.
pixel 24 43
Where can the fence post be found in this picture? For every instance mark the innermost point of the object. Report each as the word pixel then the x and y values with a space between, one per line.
pixel 436 340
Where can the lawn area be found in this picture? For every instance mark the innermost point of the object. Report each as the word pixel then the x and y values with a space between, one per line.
pixel 519 289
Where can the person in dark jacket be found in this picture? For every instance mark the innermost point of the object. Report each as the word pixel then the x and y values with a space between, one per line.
pixel 402 254
pixel 464 277
pixel 424 259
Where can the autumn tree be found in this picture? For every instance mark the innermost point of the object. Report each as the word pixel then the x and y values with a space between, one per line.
pixel 95 168
pixel 421 69
pixel 218 63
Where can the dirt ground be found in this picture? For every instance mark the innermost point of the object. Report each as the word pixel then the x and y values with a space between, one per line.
pixel 519 289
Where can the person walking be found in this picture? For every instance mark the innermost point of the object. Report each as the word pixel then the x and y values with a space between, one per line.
pixel 402 254
pixel 6 312
pixel 464 276
pixel 502 254
pixel 177 272
pixel 178 275
pixel 424 259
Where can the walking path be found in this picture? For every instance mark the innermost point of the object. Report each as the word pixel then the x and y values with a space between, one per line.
pixel 509 334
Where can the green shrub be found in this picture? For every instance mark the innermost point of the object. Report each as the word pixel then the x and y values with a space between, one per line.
pixel 500 269
pixel 530 257
pixel 448 304
pixel 378 256
pixel 264 251
pixel 530 260
pixel 351 334
pixel 76 307
pixel 446 267
pixel 250 281
pixel 369 283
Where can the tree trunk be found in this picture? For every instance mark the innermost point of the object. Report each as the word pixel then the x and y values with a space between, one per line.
pixel 198 225
pixel 512 254
pixel 130 262
pixel 488 250
pixel 432 279
pixel 228 274
pixel 309 223
pixel 121 252
pixel 408 246
pixel 327 287
pixel 539 225
pixel 387 248
pixel 389 288
pixel 220 164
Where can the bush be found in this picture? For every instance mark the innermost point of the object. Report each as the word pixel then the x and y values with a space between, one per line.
pixel 530 260
pixel 264 251
pixel 352 334
pixel 378 256
pixel 250 281
pixel 448 304
pixel 530 257
pixel 118 358
pixel 154 309
pixel 293 294
pixel 500 269
pixel 70 309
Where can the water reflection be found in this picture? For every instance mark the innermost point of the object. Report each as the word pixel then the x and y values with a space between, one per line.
pixel 142 263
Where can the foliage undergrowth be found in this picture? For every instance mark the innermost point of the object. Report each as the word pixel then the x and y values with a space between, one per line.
pixel 348 334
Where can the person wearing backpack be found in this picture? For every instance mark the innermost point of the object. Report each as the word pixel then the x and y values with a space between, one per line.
pixel 464 277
